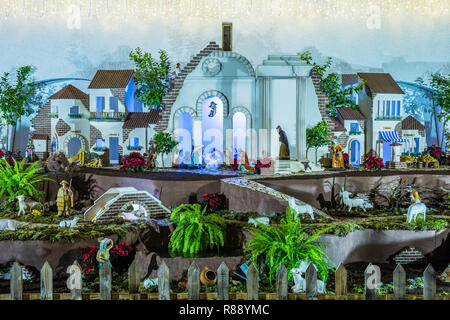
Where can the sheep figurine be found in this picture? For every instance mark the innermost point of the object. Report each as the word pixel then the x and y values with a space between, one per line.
pixel 301 209
pixel 414 210
pixel 69 223
pixel 360 202
pixel 6 224
pixel 300 282
pixel 261 220
pixel 27 205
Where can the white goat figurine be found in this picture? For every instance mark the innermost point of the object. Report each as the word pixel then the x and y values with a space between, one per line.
pixel 69 223
pixel 26 205
pixel 300 282
pixel 361 202
pixel 301 209
pixel 414 210
pixel 259 220
pixel 7 224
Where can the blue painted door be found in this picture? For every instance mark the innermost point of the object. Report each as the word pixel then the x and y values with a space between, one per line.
pixel 386 151
pixel 355 153
pixel 114 150
pixel 73 147
pixel 416 147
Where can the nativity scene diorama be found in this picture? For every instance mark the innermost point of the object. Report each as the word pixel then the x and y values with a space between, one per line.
pixel 136 173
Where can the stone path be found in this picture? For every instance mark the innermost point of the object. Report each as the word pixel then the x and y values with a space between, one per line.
pixel 258 187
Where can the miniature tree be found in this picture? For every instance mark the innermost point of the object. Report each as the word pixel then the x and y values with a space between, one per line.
pixel 164 143
pixel 332 86
pixel 152 77
pixel 16 97
pixel 441 85
pixel 317 137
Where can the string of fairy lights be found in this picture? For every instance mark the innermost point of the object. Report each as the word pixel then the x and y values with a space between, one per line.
pixel 130 9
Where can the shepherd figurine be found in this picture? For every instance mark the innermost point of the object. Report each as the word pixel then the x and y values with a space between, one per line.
pixel 413 194
pixel 64 199
pixel 103 253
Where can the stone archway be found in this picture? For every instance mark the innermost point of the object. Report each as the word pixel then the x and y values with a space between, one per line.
pixel 179 112
pixel 209 93
pixel 83 140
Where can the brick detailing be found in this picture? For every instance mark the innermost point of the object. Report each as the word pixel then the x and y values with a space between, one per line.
pixel 409 255
pixel 126 134
pixel 153 207
pixel 398 128
pixel 343 139
pixel 172 95
pixel 422 133
pixel 42 123
pixel 322 99
pixel 119 93
pixel 62 127
pixel 95 134
pixel 120 152
pixel 362 125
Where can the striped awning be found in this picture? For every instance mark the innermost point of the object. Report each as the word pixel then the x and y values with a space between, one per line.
pixel 391 136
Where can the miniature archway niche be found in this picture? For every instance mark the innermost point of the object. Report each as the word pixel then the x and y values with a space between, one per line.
pixel 83 140
pixel 183 130
pixel 241 124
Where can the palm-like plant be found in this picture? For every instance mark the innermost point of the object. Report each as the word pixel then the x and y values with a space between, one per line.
pixel 17 180
pixel 287 244
pixel 195 231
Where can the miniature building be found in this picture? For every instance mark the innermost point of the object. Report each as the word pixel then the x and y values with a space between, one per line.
pixel 116 200
pixel 109 118
pixel 415 132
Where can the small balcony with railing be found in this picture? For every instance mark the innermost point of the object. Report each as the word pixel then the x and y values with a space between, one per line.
pixel 106 116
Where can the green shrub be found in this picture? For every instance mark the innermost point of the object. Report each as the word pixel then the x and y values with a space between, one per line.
pixel 195 231
pixel 288 244
pixel 17 180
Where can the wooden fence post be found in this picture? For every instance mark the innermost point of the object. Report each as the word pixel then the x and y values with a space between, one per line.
pixel 399 283
pixel 371 278
pixel 282 283
pixel 429 283
pixel 105 281
pixel 193 282
pixel 252 283
pixel 16 282
pixel 311 282
pixel 134 280
pixel 75 282
pixel 163 282
pixel 341 282
pixel 223 282
pixel 46 282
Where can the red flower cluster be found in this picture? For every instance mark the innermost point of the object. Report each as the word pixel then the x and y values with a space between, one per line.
pixel 435 151
pixel 134 162
pixel 2 154
pixel 87 258
pixel 371 162
pixel 214 201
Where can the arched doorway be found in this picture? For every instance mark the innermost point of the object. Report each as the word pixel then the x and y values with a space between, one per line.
pixel 184 134
pixel 73 146
pixel 355 156
pixel 212 127
pixel 239 132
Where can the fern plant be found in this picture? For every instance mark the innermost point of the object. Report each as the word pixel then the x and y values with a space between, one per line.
pixel 287 244
pixel 17 180
pixel 195 231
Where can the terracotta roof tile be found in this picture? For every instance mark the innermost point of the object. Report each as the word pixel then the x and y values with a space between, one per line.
pixel 69 92
pixel 381 83
pixel 411 123
pixel 141 119
pixel 40 136
pixel 349 79
pixel 105 79
pixel 338 126
pixel 348 113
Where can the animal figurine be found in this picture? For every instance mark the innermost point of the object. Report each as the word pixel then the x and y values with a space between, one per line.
pixel 259 220
pixel 103 253
pixel 27 205
pixel 7 224
pixel 300 282
pixel 301 209
pixel 69 223
pixel 360 202
pixel 414 210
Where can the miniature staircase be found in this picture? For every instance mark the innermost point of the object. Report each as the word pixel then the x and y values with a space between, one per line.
pixel 258 187
pixel 115 201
